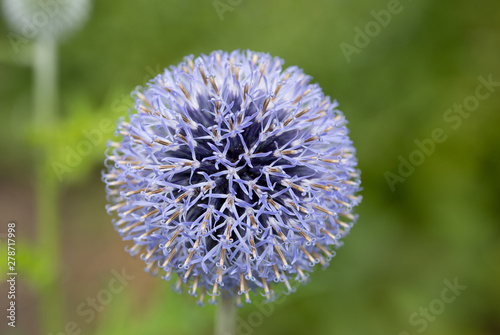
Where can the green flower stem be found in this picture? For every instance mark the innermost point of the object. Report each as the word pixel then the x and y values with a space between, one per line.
pixel 225 320
pixel 47 186
pixel 45 81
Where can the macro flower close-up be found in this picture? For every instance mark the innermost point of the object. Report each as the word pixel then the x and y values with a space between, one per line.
pixel 235 173
pixel 236 167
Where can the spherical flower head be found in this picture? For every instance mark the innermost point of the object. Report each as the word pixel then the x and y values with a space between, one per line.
pixel 55 19
pixel 233 173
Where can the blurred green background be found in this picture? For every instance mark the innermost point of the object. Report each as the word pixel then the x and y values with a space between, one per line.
pixel 441 223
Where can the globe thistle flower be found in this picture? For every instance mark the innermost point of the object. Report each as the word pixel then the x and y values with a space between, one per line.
pixel 53 19
pixel 233 173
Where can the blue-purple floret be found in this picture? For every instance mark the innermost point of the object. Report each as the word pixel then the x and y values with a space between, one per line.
pixel 233 173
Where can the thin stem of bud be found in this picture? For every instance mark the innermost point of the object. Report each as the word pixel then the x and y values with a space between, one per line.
pixel 225 319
